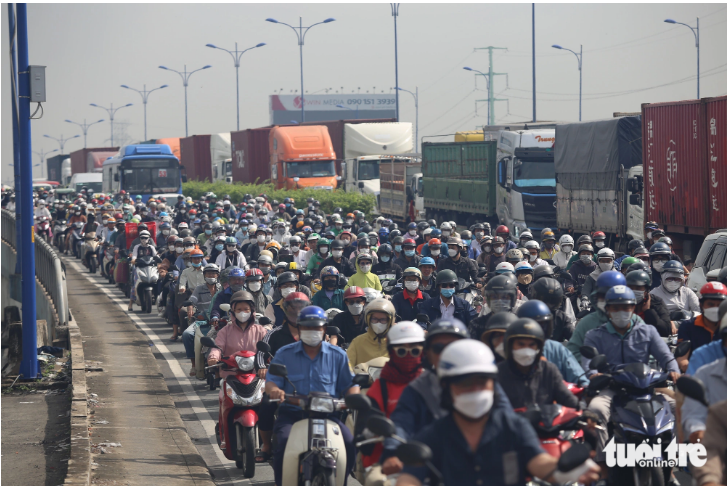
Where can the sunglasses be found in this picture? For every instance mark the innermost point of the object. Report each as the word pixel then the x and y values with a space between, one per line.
pixel 402 351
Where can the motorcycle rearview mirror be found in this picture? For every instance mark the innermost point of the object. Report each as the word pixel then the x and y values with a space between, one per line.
pixel 208 342
pixel 588 351
pixel 599 382
pixel 414 453
pixel 423 318
pixel 693 388
pixel 263 321
pixel 332 331
pixel 380 425
pixel 573 457
pixel 358 402
pixel 187 303
pixel 682 349
pixel 225 307
pixel 361 379
pixel 599 363
pixel 278 369
pixel 263 347
pixel 680 315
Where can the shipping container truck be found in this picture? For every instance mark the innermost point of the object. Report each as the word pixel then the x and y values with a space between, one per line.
pixel 302 156
pixel 173 143
pixel 401 197
pixel 526 190
pixel 684 162
pixel 459 181
pixel 470 136
pixel 55 168
pixel 66 171
pixel 595 163
pixel 79 158
pixel 95 160
pixel 203 156
pixel 250 155
pixel 365 145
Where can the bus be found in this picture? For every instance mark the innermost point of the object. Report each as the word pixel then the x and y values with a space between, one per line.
pixel 147 170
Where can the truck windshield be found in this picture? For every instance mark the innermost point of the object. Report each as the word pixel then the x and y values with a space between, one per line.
pixel 151 176
pixel 93 187
pixel 535 176
pixel 228 168
pixel 368 170
pixel 321 168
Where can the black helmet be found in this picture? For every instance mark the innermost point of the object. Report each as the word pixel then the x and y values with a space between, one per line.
pixel 286 277
pixel 639 278
pixel 498 322
pixel 584 240
pixel 633 245
pixel 338 244
pixel 398 240
pixel 501 284
pixel 446 276
pixel 522 328
pixel 422 226
pixel 549 291
pixel 453 327
pixel 639 266
pixel 660 248
pixel 539 312
pixel 384 249
pixel 542 271
pixel 394 234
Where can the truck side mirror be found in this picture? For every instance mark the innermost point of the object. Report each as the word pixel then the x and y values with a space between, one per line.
pixel 361 185
pixel 184 178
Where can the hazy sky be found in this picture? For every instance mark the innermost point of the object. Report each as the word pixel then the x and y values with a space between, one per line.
pixel 630 57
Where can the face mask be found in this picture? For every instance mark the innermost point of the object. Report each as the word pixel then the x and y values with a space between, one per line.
pixel 672 286
pixel 409 253
pixel 243 230
pixel 447 293
pixel 474 404
pixel 479 236
pixel 267 238
pixel 281 231
pixel 179 250
pixel 412 286
pixel 165 232
pixel 208 232
pixel 78 213
pixel 379 328
pixel 621 319
pixel 525 279
pixel 549 245
pixel 211 281
pixel 196 265
pixel 498 250
pixel 219 247
pixel 657 265
pixel 649 235
pixel 295 249
pixel 365 268
pixel 236 288
pixel 286 292
pixel 182 211
pixel 445 233
pixel 242 316
pixel 452 253
pixel 254 286
pixel 500 350
pixel 260 238
pixel 355 309
pixel 323 250
pixel 487 248
pixel 412 232
pixel 500 305
pixel 523 243
pixel 311 338
pixel 566 248
pixel 329 284
pixel 435 252
pixel 385 258
pixel 466 242
pixel 532 258
pixel 639 295
pixel 524 356
pixel 599 244
pixel 170 248
pixel 605 266
pixel 397 248
pixel 711 314
pixel 585 259
pixel 601 305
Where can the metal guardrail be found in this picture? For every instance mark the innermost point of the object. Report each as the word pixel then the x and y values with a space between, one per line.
pixel 48 267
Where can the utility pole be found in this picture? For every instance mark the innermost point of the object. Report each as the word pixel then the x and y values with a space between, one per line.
pixel 395 14
pixel 533 55
pixel 491 100
pixel 16 135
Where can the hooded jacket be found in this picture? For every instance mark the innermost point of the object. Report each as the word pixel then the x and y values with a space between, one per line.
pixel 367 346
pixel 591 281
pixel 579 272
pixel 561 259
pixel 364 280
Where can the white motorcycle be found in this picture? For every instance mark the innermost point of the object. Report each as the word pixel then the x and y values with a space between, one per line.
pixel 147 276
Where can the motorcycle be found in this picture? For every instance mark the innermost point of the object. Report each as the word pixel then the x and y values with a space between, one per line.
pixel 315 452
pixel 89 251
pixel 147 276
pixel 108 263
pixel 468 292
pixel 77 238
pixel 43 229
pixel 240 394
pixel 59 234
pixel 389 283
pixel 638 414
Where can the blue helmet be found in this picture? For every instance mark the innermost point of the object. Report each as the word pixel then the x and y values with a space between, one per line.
pixel 165 226
pixel 311 316
pixel 197 221
pixel 328 271
pixel 236 272
pixel 383 231
pixel 163 214
pixel 609 279
pixel 673 266
pixel 539 312
pixel 435 233
pixel 427 261
pixel 412 226
pixel 620 294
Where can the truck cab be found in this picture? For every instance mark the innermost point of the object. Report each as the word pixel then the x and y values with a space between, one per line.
pixel 526 189
pixel 302 156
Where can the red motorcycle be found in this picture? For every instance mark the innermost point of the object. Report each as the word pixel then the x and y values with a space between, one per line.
pixel 43 229
pixel 240 395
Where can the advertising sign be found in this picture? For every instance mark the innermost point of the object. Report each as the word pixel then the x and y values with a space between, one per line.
pixel 326 107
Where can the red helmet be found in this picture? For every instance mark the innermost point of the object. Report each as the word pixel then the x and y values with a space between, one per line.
pixel 354 292
pixel 122 192
pixel 118 216
pixel 599 235
pixel 193 212
pixel 713 290
pixel 409 241
pixel 502 229
pixel 434 242
pixel 254 274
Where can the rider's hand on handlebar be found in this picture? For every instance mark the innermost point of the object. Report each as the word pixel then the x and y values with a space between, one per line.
pixel 392 466
pixel 212 361
pixel 594 376
pixel 697 436
pixel 277 394
pixel 674 375
pixel 262 373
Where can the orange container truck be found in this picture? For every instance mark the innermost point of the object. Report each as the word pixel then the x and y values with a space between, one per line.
pixel 302 156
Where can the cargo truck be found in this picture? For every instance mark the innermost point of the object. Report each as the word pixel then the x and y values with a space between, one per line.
pixel 79 158
pixel 302 156
pixel 368 144
pixel 55 168
pixel 204 156
pixel 594 162
pixel 401 197
pixel 250 155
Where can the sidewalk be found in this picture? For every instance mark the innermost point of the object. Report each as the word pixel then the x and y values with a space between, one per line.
pixel 136 432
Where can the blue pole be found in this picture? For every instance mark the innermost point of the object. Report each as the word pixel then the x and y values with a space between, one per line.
pixel 16 135
pixel 29 364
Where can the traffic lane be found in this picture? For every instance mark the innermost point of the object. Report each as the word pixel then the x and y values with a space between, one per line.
pixel 197 405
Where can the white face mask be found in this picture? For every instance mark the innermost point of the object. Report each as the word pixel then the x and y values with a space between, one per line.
pixel 323 250
pixel 260 238
pixel 295 249
pixel 487 248
pixel 412 232
pixel 286 292
pixel 649 235
pixel 355 309
pixel 621 319
pixel 337 253
pixel 639 295
pixel 179 249
pixel 500 305
pixel 242 316
pixel 525 356
pixel 379 328
pixel 657 266
pixel 500 350
pixel 606 266
pixel 567 248
pixel 311 338
pixel 599 244
pixel 479 235
pixel 601 305
pixel 532 258
pixel 711 314
pixel 452 253
pixel 254 286
pixel 165 232
pixel 445 233
pixel 585 259
pixel 498 250
pixel 210 281
pixel 672 286
pixel 412 286
pixel 474 404
pixel 365 268
pixel 435 253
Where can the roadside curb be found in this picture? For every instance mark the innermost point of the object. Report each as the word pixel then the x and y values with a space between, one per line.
pixel 79 464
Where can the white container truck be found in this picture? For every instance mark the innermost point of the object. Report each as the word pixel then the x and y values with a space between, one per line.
pixel 222 169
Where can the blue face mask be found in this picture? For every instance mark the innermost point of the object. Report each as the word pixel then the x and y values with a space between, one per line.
pixel 397 248
pixel 384 258
pixel 196 264
pixel 447 292
pixel 466 242
pixel 409 253
pixel 219 247
pixel 208 232
pixel 288 205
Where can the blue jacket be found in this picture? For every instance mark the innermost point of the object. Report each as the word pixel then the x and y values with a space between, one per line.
pixel 704 355
pixel 220 298
pixel 463 311
pixel 569 367
pixel 426 250
pixel 405 310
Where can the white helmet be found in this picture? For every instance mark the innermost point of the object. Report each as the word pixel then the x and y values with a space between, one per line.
pixel 144 233
pixel 504 266
pixel 532 245
pixel 605 253
pixel 427 231
pixel 526 234
pixel 405 332
pixel 445 226
pixel 453 225
pixel 464 357
pixel 566 240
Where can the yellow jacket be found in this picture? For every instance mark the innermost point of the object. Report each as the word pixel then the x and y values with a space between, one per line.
pixel 365 347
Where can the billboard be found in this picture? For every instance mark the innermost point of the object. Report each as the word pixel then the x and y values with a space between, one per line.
pixel 285 109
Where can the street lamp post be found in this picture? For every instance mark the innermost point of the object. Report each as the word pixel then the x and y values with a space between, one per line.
pixel 42 154
pixel 416 96
pixel 111 111
pixel 487 84
pixel 145 97
pixel 579 59
pixel 301 35
pixel 395 14
pixel 236 55
pixel 696 33
pixel 84 128
pixel 61 141
pixel 351 109
pixel 185 81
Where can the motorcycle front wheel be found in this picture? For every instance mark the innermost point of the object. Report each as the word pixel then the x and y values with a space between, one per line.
pixel 147 301
pixel 92 264
pixel 324 477
pixel 245 459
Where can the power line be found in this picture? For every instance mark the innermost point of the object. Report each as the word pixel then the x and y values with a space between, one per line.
pixel 449 110
pixel 456 66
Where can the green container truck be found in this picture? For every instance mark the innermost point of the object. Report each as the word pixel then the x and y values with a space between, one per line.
pixel 459 180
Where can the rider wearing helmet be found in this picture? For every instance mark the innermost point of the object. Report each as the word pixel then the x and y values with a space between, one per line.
pixel 566 251
pixel 286 284
pixel 584 266
pixel 408 255
pixel 464 267
pixel 650 308
pixel 407 301
pixel 672 290
pixel 447 305
pixel 503 231
pixel 491 259
pixel 254 285
pixel 379 317
pixel 364 277
pixel 623 340
pixel 495 332
pixel 350 322
pixel 231 257
pixel 660 254
pixel 386 270
pixel 703 328
pixel 605 263
pixel 331 293
pixel 337 259
pixel 549 248
pixel 236 280
pixel 329 373
pixel 550 291
pixel 429 280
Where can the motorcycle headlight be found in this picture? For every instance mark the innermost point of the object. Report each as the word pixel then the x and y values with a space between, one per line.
pixel 231 393
pixel 245 364
pixel 322 404
pixel 374 372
